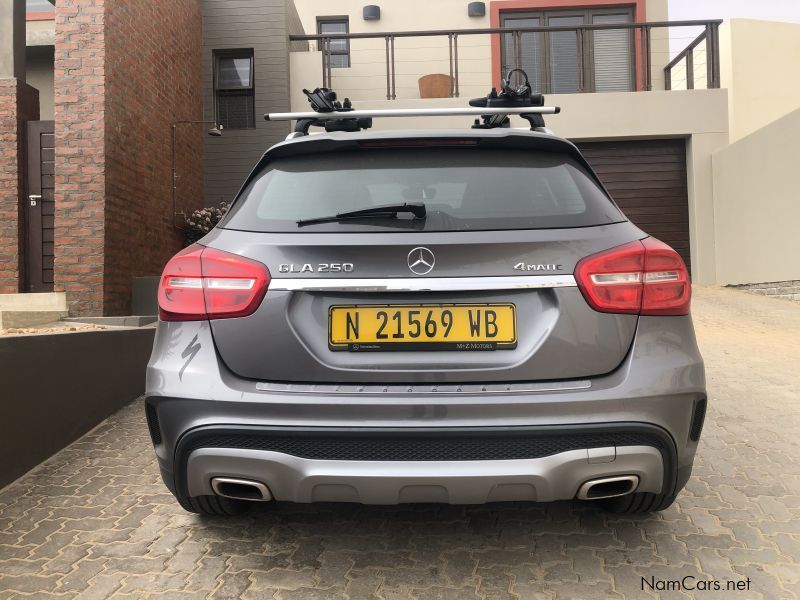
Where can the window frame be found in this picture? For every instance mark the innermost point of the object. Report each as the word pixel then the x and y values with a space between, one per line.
pixel 218 91
pixel 337 19
pixel 586 78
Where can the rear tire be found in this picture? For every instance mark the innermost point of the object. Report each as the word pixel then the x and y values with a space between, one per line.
pixel 214 506
pixel 638 503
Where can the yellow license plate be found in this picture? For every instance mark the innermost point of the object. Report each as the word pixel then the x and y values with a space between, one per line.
pixel 422 327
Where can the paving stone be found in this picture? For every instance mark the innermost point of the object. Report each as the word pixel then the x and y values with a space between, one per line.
pixel 29 583
pixel 588 566
pixel 314 594
pixel 761 582
pixel 206 576
pixel 20 566
pixel 177 595
pixel 333 568
pixel 599 591
pixel 421 576
pixel 167 543
pixel 78 579
pixel 442 593
pixel 258 562
pixel 96 522
pixel 38 535
pixel 460 568
pixel 231 586
pixel 495 583
pixel 284 579
pixel 363 587
pixel 14 552
pixel 162 582
pixel 101 587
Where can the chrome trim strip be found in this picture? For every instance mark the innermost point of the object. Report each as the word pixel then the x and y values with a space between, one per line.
pixel 408 389
pixel 422 284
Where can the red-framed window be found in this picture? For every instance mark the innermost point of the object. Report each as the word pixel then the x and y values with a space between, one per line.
pixel 565 62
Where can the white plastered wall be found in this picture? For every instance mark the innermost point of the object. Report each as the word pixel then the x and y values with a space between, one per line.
pixel 757 205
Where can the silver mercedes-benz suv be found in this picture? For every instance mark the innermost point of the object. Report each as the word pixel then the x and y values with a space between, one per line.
pixel 460 316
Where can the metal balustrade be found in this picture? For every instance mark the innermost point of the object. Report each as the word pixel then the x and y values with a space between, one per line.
pixel 640 58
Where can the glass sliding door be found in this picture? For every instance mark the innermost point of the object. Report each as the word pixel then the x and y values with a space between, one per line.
pixel 528 56
pixel 563 55
pixel 558 63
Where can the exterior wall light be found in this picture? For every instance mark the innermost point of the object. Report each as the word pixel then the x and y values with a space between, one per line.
pixel 476 9
pixel 372 12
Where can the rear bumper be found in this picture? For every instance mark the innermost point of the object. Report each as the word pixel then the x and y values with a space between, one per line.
pixel 655 391
pixel 536 464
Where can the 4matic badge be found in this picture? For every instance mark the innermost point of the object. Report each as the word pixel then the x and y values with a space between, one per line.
pixel 521 266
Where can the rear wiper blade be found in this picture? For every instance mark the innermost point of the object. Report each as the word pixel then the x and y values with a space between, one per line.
pixel 376 212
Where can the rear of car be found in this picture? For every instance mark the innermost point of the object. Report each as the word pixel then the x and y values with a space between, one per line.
pixel 522 341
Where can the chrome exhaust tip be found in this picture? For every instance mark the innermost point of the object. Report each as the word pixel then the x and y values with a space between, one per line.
pixel 240 489
pixel 608 487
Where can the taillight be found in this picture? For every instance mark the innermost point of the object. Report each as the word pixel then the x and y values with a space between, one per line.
pixel 644 277
pixel 204 283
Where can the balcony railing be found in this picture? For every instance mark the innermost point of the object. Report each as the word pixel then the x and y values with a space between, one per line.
pixel 521 48
pixel 685 60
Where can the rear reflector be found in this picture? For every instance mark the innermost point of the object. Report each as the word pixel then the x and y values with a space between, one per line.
pixel 204 283
pixel 644 277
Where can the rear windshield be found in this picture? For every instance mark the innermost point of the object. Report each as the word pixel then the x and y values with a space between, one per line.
pixel 463 189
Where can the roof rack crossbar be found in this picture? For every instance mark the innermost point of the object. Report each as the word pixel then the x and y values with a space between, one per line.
pixel 415 112
pixel 492 110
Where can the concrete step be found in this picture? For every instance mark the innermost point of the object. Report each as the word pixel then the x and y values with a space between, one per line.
pixel 49 301
pixel 28 318
pixel 129 321
pixel 778 291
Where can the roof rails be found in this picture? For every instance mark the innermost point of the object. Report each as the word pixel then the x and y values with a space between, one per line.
pixel 492 110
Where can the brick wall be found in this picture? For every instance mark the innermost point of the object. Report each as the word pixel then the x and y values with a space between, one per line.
pixel 80 169
pixel 19 103
pixel 153 77
pixel 124 71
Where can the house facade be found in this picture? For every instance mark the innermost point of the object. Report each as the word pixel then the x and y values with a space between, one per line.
pixel 650 131
pixel 105 105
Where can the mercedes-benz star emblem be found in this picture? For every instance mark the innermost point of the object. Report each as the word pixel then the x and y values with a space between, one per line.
pixel 421 261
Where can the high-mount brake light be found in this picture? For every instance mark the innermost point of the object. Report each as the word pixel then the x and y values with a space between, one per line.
pixel 202 283
pixel 416 143
pixel 644 277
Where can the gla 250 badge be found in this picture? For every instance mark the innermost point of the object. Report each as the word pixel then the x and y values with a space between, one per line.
pixel 320 268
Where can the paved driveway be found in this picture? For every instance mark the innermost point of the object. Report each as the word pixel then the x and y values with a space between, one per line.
pixel 95 520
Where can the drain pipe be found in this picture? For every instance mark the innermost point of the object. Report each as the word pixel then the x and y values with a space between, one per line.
pixel 215 131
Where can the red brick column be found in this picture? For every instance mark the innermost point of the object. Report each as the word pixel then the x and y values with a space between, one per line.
pixel 19 103
pixel 80 161
pixel 124 71
pixel 154 76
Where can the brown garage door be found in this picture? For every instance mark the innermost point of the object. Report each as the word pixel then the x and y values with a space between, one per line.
pixel 647 178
